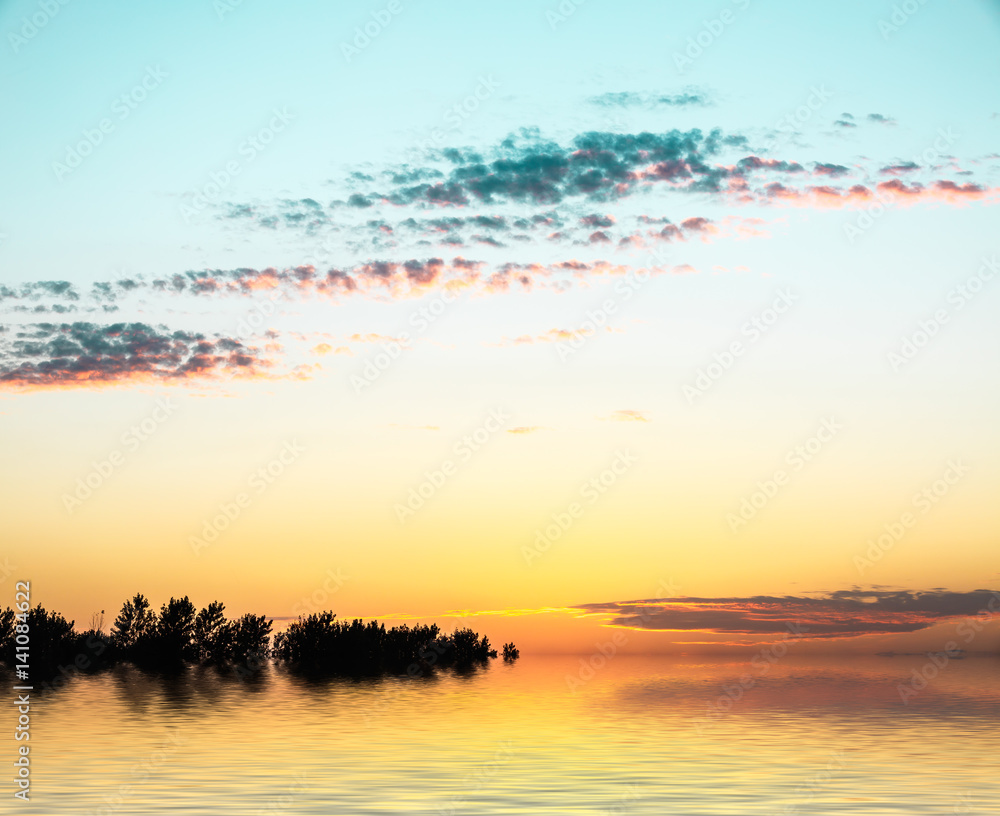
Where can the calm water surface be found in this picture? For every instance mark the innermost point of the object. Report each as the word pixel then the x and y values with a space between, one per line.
pixel 641 736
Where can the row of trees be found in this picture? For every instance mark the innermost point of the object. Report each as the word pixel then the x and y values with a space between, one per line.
pixel 50 638
pixel 175 636
pixel 320 643
pixel 180 635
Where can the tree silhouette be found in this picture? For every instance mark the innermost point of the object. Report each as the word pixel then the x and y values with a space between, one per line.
pixel 174 632
pixel 134 625
pixel 209 631
pixel 6 631
pixel 247 639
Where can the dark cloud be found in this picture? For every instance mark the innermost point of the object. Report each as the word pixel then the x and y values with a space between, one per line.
pixel 358 200
pixel 846 613
pixel 900 168
pixel 594 165
pixel 38 289
pixel 881 119
pixel 756 163
pixel 486 240
pixel 832 170
pixel 54 354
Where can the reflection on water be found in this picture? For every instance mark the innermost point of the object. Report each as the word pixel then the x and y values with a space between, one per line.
pixel 546 735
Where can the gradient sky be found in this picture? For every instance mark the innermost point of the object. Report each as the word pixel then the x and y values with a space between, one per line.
pixel 265 169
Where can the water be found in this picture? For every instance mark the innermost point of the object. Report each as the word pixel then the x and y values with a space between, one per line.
pixel 641 736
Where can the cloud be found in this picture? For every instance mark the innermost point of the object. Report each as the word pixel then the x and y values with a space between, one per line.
pixel 832 170
pixel 899 168
pixel 842 614
pixel 595 165
pixel 751 163
pixel 597 221
pixel 630 99
pixel 51 354
pixel 940 191
pixel 626 415
pixel 525 429
pixel 881 119
pixel 695 227
pixel 566 179
pixel 551 336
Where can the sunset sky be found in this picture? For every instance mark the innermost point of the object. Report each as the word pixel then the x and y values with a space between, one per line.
pixel 456 316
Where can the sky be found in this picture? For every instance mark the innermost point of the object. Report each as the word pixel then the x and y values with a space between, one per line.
pixel 516 315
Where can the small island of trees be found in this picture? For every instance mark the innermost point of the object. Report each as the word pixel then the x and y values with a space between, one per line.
pixel 179 635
